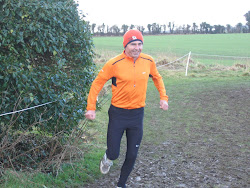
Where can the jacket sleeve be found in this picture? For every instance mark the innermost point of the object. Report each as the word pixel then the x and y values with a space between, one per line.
pixel 103 76
pixel 158 82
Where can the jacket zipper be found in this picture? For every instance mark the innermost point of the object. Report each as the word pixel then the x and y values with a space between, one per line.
pixel 134 73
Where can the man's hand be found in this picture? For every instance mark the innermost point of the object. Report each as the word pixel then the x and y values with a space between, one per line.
pixel 90 114
pixel 163 105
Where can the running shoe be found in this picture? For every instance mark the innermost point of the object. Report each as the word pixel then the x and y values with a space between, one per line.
pixel 105 164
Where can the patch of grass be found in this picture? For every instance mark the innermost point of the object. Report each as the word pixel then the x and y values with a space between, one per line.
pixel 73 174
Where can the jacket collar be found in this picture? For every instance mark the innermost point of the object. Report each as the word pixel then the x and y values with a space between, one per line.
pixel 125 56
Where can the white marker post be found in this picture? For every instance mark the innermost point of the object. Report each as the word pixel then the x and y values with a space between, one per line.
pixel 188 62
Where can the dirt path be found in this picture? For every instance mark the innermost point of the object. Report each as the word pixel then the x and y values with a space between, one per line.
pixel 168 166
pixel 214 156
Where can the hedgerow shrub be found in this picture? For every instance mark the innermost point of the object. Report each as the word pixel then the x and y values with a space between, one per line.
pixel 46 55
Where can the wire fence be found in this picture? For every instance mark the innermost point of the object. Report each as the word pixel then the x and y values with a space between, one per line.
pixel 103 101
pixel 223 56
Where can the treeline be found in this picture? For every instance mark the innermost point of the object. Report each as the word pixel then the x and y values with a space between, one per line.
pixel 171 28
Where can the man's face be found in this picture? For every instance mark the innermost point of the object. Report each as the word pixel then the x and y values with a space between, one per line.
pixel 134 49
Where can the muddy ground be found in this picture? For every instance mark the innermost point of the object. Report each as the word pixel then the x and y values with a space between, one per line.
pixel 216 155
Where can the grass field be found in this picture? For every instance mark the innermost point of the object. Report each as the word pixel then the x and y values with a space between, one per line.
pixel 164 46
pixel 201 141
pixel 218 44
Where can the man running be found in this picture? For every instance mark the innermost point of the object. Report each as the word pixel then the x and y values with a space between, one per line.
pixel 129 72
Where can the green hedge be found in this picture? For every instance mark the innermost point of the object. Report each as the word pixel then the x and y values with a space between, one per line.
pixel 46 54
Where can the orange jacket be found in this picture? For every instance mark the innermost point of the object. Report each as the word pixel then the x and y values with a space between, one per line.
pixel 129 81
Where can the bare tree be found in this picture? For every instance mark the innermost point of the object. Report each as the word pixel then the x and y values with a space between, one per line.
pixel 247 16
pixel 115 29
pixel 203 27
pixel 93 28
pixel 140 28
pixel 171 27
pixel 183 28
pixel 164 28
pixel 99 28
pixel 229 28
pixel 156 28
pixel 188 28
pixel 107 28
pixel 239 27
pixel 149 27
pixel 103 28
pixel 124 28
pixel 194 28
pixel 219 29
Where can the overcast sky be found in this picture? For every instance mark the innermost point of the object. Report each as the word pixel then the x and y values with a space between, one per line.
pixel 143 12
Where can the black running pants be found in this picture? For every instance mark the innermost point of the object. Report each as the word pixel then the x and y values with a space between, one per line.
pixel 120 121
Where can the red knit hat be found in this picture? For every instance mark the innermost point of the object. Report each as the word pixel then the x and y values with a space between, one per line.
pixel 132 35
